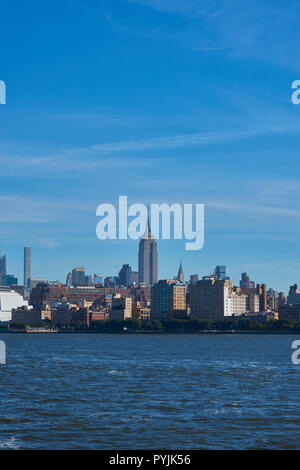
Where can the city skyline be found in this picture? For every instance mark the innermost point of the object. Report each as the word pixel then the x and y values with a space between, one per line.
pixel 147 273
pixel 16 268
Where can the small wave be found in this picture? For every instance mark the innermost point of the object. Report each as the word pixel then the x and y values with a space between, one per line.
pixel 116 372
pixel 10 419
pixel 228 409
pixel 59 359
pixel 10 443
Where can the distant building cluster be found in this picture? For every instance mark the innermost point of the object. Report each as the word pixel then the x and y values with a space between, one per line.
pixel 85 298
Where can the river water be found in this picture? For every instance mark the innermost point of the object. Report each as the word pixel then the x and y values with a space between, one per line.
pixel 96 391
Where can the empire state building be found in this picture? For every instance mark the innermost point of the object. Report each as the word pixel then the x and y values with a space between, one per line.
pixel 148 270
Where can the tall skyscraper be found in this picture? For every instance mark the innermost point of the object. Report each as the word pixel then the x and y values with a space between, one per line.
pixel 27 266
pixel 2 267
pixel 245 282
pixel 125 275
pixel 220 273
pixel 294 295
pixel 194 278
pixel 69 279
pixel 148 263
pixel 98 279
pixel 281 299
pixel 134 277
pixel 78 277
pixel 261 290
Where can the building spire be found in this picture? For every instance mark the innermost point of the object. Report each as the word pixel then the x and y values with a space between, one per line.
pixel 180 276
pixel 148 221
pixel 148 235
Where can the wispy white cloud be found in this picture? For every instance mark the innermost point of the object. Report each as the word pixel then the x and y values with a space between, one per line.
pixel 74 160
pixel 104 155
pixel 16 208
pixel 101 119
pixel 256 29
pixel 176 141
pixel 236 206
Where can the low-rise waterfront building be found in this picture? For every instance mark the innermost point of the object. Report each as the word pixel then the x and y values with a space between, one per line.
pixel 289 312
pixel 27 315
pixel 121 308
pixel 49 293
pixel 141 311
pixel 211 299
pixel 168 300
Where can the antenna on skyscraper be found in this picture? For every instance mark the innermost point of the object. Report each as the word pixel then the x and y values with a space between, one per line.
pixel 148 219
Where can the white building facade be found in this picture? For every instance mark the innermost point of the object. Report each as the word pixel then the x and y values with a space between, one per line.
pixel 9 299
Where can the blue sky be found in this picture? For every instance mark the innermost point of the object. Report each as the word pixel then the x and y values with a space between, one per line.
pixel 162 101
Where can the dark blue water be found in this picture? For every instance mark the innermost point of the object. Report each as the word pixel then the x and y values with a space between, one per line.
pixel 162 391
